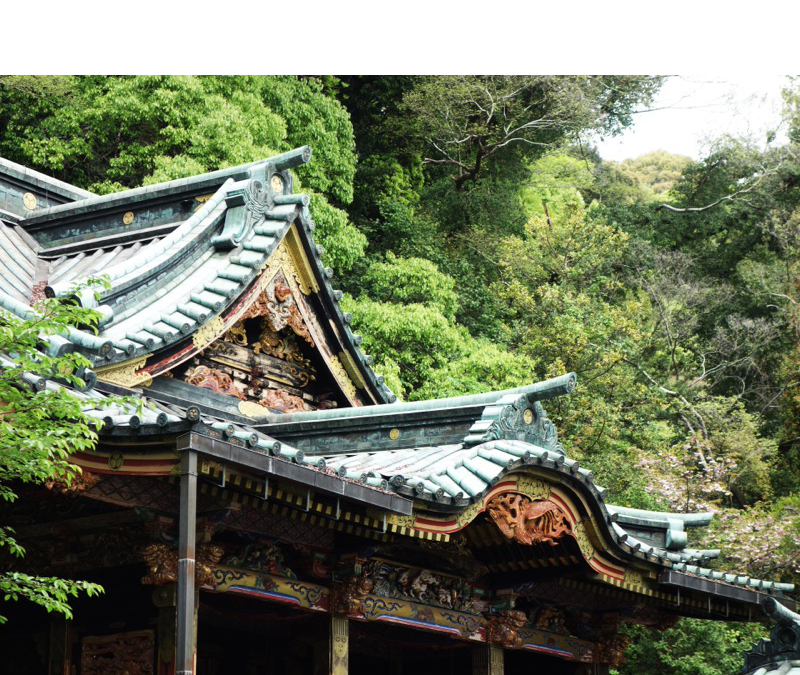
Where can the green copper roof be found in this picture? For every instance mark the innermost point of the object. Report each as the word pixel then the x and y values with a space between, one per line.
pixel 780 653
pixel 176 258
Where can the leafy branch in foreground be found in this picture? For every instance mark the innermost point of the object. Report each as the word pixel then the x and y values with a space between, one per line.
pixel 41 424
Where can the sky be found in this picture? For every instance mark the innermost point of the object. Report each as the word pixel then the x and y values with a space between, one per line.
pixel 691 111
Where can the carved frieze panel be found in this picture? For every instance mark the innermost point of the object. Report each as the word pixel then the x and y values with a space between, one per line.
pixel 264 556
pixel 390 580
pixel 526 521
pixel 213 379
pixel 130 653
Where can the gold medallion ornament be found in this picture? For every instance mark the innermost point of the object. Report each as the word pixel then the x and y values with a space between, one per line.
pixel 634 577
pixel 202 199
pixel 277 184
pixel 115 461
pixel 527 416
pixel 29 200
pixel 394 434
pixel 128 218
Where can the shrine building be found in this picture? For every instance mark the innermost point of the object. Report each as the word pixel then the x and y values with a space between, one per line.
pixel 271 508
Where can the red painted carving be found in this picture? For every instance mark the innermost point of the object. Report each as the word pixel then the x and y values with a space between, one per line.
pixel 213 379
pixel 78 483
pixel 276 303
pixel 503 626
pixel 278 399
pixel 37 292
pixel 529 522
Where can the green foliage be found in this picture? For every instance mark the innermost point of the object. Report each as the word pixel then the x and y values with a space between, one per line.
pixel 39 429
pixel 692 647
pixel 416 337
pixel 111 133
pixel 411 280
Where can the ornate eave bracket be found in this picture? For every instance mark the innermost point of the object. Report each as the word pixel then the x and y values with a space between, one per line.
pixel 521 417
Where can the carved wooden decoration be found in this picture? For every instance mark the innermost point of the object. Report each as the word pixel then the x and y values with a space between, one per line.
pixel 348 597
pixel 129 653
pixel 529 522
pixel 502 628
pixel 214 379
pixel 611 650
pixel 162 564
pixel 260 360
pixel 277 305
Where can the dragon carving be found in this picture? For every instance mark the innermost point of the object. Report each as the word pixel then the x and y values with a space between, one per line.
pixel 529 522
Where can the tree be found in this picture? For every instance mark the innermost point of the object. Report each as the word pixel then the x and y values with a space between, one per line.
pixel 466 121
pixel 110 133
pixel 41 424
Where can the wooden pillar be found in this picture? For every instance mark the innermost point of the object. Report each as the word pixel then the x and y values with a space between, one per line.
pixel 339 647
pixel 164 597
pixel 60 648
pixel 488 659
pixel 187 536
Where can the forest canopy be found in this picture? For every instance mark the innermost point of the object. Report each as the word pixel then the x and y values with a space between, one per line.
pixel 483 243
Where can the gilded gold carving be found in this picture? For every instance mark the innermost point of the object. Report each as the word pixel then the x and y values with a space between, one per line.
pixel 250 409
pixel 401 521
pixel 502 628
pixel 584 542
pixel 29 200
pixel 162 564
pixel 283 347
pixel 634 577
pixel 535 488
pixel 394 434
pixel 125 373
pixel 237 335
pixel 291 258
pixel 202 199
pixel 342 377
pixel 208 332
pixel 352 369
pixel 468 514
pixel 127 219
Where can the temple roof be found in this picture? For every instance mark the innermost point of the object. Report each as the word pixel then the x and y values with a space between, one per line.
pixel 181 258
pixel 188 259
